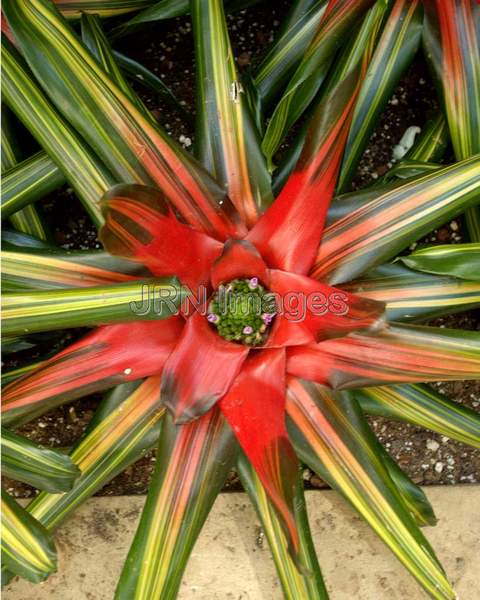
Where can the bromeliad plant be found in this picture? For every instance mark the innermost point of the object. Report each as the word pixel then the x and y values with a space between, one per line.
pixel 211 378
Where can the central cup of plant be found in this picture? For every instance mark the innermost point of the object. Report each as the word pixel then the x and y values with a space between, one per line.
pixel 242 311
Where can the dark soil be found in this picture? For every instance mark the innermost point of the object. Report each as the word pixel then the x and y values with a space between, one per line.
pixel 167 49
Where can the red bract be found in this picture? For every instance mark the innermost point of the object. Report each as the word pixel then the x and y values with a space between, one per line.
pixel 204 368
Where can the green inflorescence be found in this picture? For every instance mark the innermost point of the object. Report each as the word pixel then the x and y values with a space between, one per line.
pixel 242 311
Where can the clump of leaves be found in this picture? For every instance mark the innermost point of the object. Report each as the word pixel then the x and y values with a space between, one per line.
pixel 214 389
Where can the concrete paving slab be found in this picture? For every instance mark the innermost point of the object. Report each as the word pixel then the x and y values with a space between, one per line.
pixel 231 561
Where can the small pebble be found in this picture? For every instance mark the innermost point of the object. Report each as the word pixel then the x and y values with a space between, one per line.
pixel 433 445
pixel 307 475
pixel 438 467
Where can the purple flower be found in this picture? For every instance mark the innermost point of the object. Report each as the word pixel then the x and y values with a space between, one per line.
pixel 267 318
pixel 212 318
pixel 253 283
pixel 247 330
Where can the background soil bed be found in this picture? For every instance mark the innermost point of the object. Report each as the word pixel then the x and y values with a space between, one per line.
pixel 167 49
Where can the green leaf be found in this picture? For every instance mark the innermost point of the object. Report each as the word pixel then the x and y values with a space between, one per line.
pixel 74 9
pixel 15 240
pixel 44 468
pixel 408 169
pixel 452 45
pixel 12 344
pixel 432 142
pixel 357 52
pixel 10 154
pixel 394 52
pixel 455 260
pixel 45 310
pixel 375 225
pixel 422 406
pixel 67 269
pixel 13 374
pixel 329 436
pixel 143 76
pixel 307 585
pixel 192 464
pixel 81 168
pixel 27 219
pixel 28 182
pixel 284 55
pixel 95 40
pixel 124 427
pixel 227 142
pixel 27 548
pixel 130 144
pixel 164 9
pixel 311 72
pixel 413 296
pixel 414 497
pixel 168 9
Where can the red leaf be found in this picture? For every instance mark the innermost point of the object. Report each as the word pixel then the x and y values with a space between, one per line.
pixel 288 333
pixel 309 362
pixel 255 409
pixel 288 234
pixel 141 226
pixel 396 355
pixel 106 357
pixel 322 310
pixel 200 370
pixel 239 259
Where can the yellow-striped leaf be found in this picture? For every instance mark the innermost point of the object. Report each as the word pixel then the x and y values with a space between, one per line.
pixel 53 270
pixel 306 584
pixel 192 464
pixel 413 296
pixel 227 142
pixel 339 16
pixel 395 50
pixel 73 9
pixel 377 224
pixel 27 219
pixel 328 435
pixel 27 548
pixel 452 44
pixel 29 181
pixel 125 425
pixel 44 468
pixel 422 406
pixel 456 260
pixel 130 144
pixel 32 311
pixel 82 169
pixel 431 143
pixel 284 55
